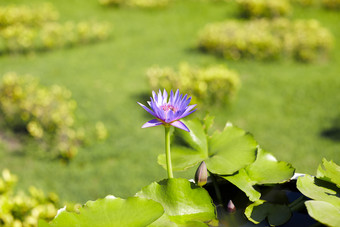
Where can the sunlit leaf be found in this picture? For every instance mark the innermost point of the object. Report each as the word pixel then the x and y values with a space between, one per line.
pixel 187 148
pixel 324 190
pixel 329 172
pixel 183 202
pixel 230 150
pixel 324 212
pixel 108 212
pixel 319 190
pixel 265 170
pixel 243 182
pixel 224 152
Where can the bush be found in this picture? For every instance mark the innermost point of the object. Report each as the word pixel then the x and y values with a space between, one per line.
pixel 263 8
pixel 19 209
pixel 304 2
pixel 24 29
pixel 46 114
pixel 24 15
pixel 331 4
pixel 303 40
pixel 211 85
pixel 136 3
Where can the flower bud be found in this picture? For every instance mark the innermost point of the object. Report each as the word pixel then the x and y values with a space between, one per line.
pixel 201 175
pixel 231 207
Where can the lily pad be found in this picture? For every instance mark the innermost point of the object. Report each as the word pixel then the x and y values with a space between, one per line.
pixel 265 170
pixel 324 190
pixel 324 212
pixel 319 190
pixel 330 172
pixel 245 183
pixel 184 203
pixel 224 152
pixel 276 214
pixel 108 212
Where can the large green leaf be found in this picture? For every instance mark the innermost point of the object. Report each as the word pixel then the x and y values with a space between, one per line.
pixel 108 212
pixel 329 172
pixel 187 148
pixel 319 190
pixel 324 212
pixel 224 152
pixel 265 170
pixel 324 190
pixel 184 203
pixel 245 183
pixel 230 150
pixel 276 214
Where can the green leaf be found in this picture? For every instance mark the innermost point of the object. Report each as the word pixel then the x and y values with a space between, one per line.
pixel 230 150
pixel 329 172
pixel 110 211
pixel 324 212
pixel 265 170
pixel 187 148
pixel 183 202
pixel 325 191
pixel 243 182
pixel 319 190
pixel 276 214
pixel 224 152
pixel 208 122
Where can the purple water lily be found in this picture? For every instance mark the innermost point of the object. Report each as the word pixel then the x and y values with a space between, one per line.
pixel 168 112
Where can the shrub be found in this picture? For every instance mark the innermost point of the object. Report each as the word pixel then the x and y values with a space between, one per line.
pixel 137 3
pixel 304 2
pixel 304 40
pixel 46 114
pixel 24 15
pixel 20 209
pixel 20 38
pixel 211 85
pixel 24 29
pixel 263 8
pixel 331 4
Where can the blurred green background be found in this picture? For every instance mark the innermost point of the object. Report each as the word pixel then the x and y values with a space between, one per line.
pixel 291 108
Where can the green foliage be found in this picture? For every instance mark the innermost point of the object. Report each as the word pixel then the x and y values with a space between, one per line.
pixel 182 201
pixel 324 191
pixel 223 152
pixel 303 40
pixel 47 114
pixel 20 209
pixel 210 85
pixel 265 170
pixel 304 3
pixel 26 29
pixel 276 214
pixel 110 211
pixel 263 8
pixel 24 15
pixel 331 4
pixel 171 202
pixel 136 3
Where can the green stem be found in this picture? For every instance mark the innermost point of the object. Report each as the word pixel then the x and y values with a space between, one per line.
pixel 298 204
pixel 167 151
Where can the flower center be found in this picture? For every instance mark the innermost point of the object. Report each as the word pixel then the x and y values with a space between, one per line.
pixel 168 107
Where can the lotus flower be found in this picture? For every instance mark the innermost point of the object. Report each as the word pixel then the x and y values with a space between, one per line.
pixel 168 112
